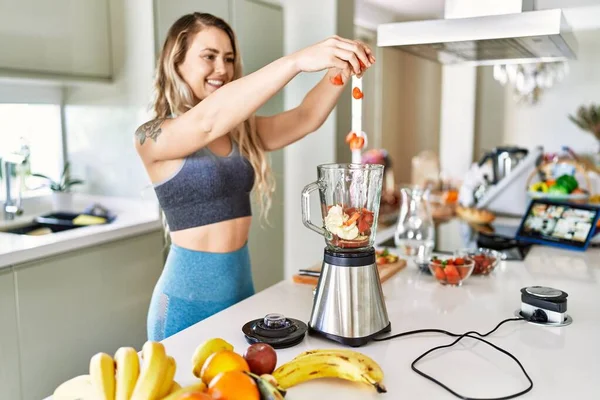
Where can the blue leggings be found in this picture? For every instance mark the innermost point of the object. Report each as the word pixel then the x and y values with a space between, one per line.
pixel 195 285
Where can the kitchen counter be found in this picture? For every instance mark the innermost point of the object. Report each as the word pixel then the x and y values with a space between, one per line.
pixel 563 362
pixel 133 217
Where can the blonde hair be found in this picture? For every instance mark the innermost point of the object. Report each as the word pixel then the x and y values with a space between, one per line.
pixel 173 96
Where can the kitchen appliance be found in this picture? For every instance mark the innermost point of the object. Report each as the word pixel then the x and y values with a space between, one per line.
pixel 276 330
pixel 348 305
pixel 485 33
pixel 508 194
pixel 544 306
pixel 503 161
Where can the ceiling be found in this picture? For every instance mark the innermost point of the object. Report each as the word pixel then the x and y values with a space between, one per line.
pixel 580 14
pixel 412 9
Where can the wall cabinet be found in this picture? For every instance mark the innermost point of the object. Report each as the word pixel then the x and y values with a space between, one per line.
pixel 76 304
pixel 9 338
pixel 166 12
pixel 69 38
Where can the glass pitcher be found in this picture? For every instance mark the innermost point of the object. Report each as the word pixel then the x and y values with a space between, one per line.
pixel 415 232
pixel 350 196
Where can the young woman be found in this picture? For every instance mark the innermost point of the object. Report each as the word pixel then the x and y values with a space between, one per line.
pixel 205 152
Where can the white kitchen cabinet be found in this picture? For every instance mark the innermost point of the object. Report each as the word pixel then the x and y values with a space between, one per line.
pixel 9 339
pixel 76 304
pixel 259 29
pixel 166 12
pixel 68 38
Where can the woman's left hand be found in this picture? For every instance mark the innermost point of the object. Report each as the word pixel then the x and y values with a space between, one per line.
pixel 347 74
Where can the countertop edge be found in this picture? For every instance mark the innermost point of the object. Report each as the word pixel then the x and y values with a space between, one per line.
pixel 72 244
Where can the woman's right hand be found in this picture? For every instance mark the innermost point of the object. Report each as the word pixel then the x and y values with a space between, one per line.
pixel 335 52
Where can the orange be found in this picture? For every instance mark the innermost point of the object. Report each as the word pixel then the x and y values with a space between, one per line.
pixel 195 396
pixel 222 361
pixel 233 385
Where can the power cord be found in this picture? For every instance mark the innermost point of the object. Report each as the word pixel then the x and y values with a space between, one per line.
pixel 459 338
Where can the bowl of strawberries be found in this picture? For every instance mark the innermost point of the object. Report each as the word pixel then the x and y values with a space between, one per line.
pixel 451 271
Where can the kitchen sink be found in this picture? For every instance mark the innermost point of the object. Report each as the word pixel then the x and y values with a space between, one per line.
pixel 39 229
pixel 49 223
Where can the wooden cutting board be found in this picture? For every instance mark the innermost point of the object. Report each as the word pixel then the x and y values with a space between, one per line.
pixel 386 271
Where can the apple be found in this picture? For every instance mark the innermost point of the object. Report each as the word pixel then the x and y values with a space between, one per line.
pixel 261 358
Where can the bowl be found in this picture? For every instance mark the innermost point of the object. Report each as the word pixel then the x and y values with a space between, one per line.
pixel 451 271
pixel 485 260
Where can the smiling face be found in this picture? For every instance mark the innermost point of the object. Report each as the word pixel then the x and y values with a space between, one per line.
pixel 209 62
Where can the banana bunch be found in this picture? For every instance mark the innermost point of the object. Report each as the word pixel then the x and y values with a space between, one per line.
pixel 330 363
pixel 124 378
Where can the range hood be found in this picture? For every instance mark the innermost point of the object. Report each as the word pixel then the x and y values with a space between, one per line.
pixel 527 36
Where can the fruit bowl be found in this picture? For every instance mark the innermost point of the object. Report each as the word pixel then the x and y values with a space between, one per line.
pixel 485 260
pixel 451 271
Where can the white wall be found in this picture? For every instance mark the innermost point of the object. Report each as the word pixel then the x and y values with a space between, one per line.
pixel 545 123
pixel 101 119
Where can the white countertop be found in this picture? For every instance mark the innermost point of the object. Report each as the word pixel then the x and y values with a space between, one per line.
pixel 562 362
pixel 132 217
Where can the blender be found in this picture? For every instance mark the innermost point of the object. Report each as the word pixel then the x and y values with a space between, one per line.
pixel 348 305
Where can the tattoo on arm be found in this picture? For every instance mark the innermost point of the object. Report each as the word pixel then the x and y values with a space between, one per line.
pixel 150 129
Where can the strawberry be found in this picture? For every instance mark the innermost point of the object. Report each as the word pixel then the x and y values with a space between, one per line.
pixel 357 94
pixel 363 226
pixel 452 275
pixel 439 274
pixel 350 137
pixel 357 143
pixel 368 216
pixel 459 261
pixel 337 80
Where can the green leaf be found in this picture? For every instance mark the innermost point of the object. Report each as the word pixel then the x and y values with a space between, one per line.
pixel 65 174
pixel 42 176
pixel 72 182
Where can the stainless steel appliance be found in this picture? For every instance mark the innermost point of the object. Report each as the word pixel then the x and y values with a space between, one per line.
pixel 503 161
pixel 348 305
pixel 485 33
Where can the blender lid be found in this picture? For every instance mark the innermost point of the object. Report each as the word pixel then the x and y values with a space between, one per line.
pixel 275 330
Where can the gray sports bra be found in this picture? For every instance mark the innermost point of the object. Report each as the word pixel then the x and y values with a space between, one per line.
pixel 206 189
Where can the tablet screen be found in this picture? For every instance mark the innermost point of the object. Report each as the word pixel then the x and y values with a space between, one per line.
pixel 559 223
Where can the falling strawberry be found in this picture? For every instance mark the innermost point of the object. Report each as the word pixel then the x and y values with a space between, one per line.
pixel 350 137
pixel 337 80
pixel 357 143
pixel 357 94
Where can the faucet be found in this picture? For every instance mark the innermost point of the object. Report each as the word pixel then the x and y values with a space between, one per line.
pixel 11 207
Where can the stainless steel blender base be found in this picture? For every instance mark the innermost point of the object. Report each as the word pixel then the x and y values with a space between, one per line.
pixel 348 306
pixel 348 341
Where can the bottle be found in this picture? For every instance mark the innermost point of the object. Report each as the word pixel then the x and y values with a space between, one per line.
pixel 415 231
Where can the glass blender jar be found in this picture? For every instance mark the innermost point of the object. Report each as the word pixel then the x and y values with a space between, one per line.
pixel 348 305
pixel 350 196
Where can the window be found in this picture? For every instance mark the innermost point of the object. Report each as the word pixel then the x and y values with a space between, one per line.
pixel 37 126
